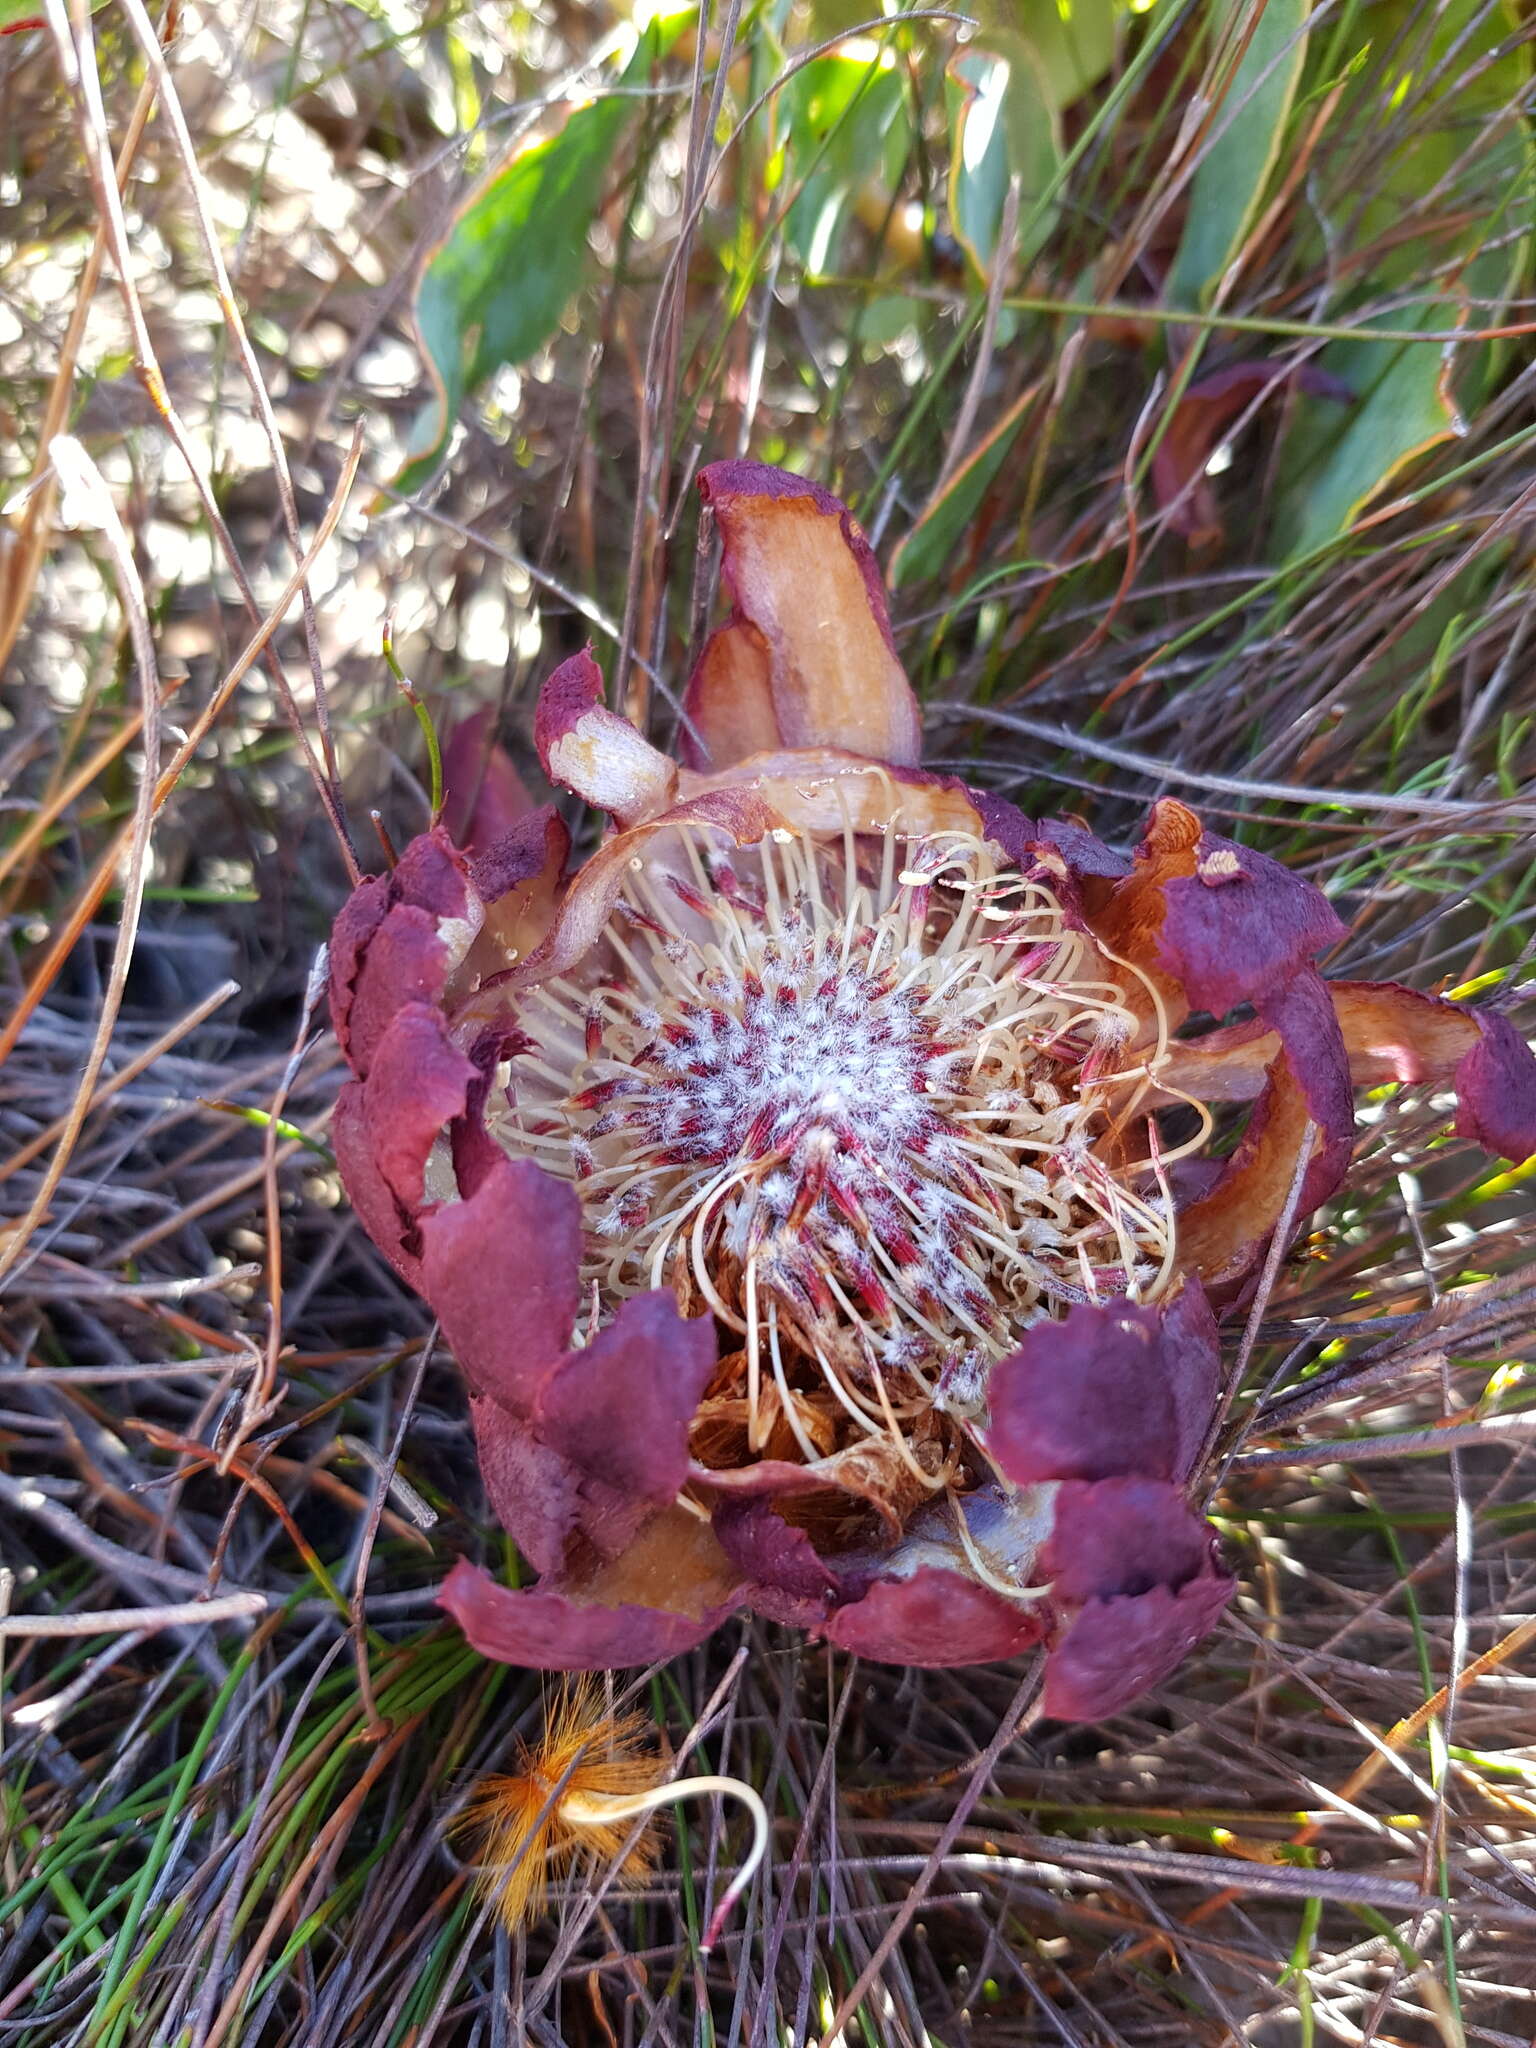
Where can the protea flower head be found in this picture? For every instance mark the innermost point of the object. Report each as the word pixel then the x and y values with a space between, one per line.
pixel 791 1177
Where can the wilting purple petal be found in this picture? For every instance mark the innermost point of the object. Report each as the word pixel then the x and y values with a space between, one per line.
pixel 1240 925
pixel 1223 1237
pixel 1075 866
pixel 1109 1390
pixel 351 935
pixel 1211 923
pixel 1192 1362
pixel 1302 1011
pixel 534 1492
pixel 736 814
pixel 406 962
pixel 1114 1536
pixel 546 1631
pixel 1084 1398
pixel 1394 1033
pixel 383 1128
pixel 432 875
pixel 1083 851
pixel 1496 1090
pixel 810 621
pixel 819 789
pixel 619 1410
pixel 537 842
pixel 587 748
pixel 377 1208
pixel 1003 823
pixel 415 1086
pixel 728 712
pixel 606 1426
pixel 935 1619
pixel 1118 1648
pixel 502 1270
pixel 767 1479
pixel 390 946
pixel 1140 1567
pixel 474 1151
pixel 787 1579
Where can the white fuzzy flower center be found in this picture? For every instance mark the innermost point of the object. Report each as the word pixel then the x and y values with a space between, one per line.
pixel 863 1105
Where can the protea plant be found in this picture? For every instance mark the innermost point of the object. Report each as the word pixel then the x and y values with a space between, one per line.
pixel 813 1183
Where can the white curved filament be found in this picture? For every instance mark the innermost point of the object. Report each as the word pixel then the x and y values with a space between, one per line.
pixel 602 1809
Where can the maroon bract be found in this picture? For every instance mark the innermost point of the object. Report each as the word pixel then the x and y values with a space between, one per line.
pixel 1202 416
pixel 790 1177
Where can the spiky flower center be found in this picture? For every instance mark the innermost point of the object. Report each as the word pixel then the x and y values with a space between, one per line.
pixel 872 1106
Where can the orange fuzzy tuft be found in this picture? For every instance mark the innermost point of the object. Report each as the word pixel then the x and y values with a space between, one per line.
pixel 526 1836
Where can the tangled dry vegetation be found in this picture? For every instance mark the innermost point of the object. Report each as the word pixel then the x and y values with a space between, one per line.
pixel 233 1456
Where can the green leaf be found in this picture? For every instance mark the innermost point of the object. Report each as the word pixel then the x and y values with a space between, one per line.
pixel 889 317
pixel 16 15
pixel 1003 127
pixel 1074 44
pixel 1458 90
pixel 936 538
pixel 1460 82
pixel 1247 132
pixel 494 289
pixel 836 18
pixel 1403 408
pixel 845 126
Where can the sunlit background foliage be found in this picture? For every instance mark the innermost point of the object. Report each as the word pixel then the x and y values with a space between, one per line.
pixel 1177 359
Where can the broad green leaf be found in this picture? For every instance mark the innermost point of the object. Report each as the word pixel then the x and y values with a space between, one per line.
pixel 1469 138
pixel 1403 408
pixel 1003 127
pixel 1073 41
pixel 845 127
pixel 1460 79
pixel 1457 77
pixel 494 289
pixel 889 317
pixel 936 538
pixel 835 18
pixel 1247 132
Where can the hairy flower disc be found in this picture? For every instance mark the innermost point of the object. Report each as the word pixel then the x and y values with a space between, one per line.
pixel 846 1099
